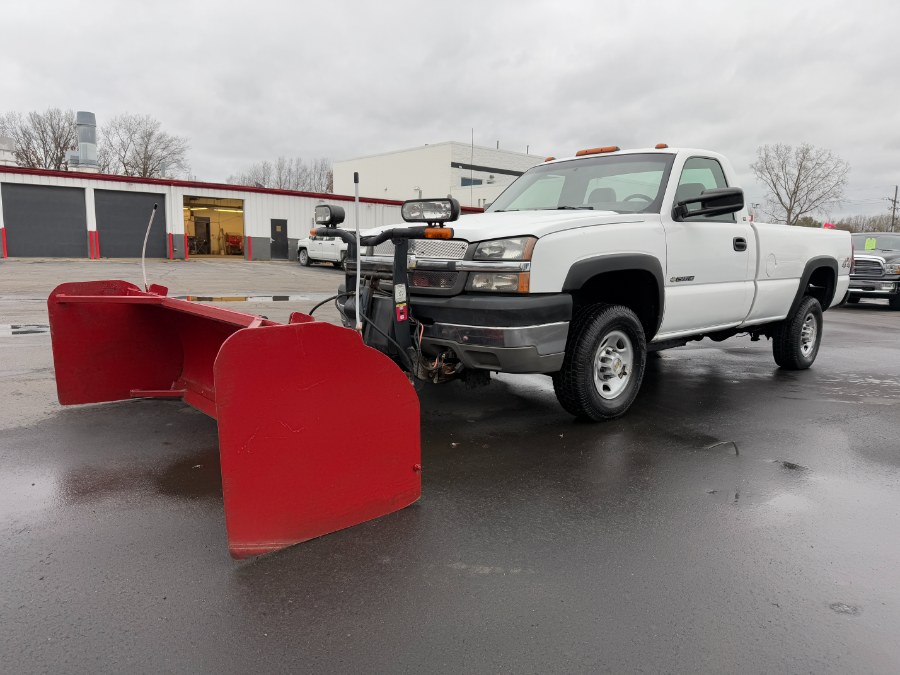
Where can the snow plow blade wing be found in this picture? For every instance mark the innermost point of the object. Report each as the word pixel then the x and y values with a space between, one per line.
pixel 303 451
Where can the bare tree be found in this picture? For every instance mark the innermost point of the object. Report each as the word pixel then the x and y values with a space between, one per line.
pixel 136 145
pixel 799 180
pixel 877 223
pixel 41 138
pixel 287 174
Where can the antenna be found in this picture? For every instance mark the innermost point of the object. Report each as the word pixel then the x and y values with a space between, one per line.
pixel 359 325
pixel 144 249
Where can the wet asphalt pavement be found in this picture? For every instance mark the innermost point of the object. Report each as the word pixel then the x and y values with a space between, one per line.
pixel 738 519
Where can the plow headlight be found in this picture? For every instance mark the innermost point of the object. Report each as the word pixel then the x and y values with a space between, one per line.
pixel 430 210
pixel 327 214
pixel 516 248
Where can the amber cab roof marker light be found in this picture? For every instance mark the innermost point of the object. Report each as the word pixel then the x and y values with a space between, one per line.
pixel 549 159
pixel 597 151
pixel 660 146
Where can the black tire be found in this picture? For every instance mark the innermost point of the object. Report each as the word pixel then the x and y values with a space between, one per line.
pixel 303 257
pixel 894 302
pixel 792 345
pixel 852 299
pixel 342 263
pixel 575 384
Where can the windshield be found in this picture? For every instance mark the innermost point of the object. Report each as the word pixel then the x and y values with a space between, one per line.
pixel 876 241
pixel 620 183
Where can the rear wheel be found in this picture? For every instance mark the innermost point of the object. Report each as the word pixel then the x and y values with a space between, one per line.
pixel 604 363
pixel 795 343
pixel 303 257
pixel 342 263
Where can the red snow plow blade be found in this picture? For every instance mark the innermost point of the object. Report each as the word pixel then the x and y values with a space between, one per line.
pixel 302 452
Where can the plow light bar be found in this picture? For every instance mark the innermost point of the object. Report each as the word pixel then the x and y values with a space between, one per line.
pixel 326 214
pixel 431 211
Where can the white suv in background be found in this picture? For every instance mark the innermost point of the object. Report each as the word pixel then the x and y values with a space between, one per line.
pixel 322 249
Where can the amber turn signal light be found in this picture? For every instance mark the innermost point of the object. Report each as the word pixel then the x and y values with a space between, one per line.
pixel 439 233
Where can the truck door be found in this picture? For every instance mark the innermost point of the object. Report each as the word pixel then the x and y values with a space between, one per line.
pixel 709 275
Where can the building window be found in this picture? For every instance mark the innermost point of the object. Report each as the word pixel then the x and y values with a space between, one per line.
pixel 470 181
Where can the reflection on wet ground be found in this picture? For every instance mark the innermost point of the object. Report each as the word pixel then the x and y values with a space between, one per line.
pixel 194 477
pixel 737 519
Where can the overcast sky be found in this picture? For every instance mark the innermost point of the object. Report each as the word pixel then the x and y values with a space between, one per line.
pixel 247 81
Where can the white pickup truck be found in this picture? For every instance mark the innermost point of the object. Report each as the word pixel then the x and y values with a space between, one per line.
pixel 583 265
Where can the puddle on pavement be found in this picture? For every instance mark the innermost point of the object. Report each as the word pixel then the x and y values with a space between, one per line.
pixel 790 466
pixel 10 329
pixel 194 477
pixel 843 608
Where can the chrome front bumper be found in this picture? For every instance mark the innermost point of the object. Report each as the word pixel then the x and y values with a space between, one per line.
pixel 874 287
pixel 509 349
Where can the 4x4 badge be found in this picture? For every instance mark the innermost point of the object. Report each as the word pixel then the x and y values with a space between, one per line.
pixel 675 280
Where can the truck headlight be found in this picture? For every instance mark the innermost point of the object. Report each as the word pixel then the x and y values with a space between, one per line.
pixel 892 268
pixel 516 248
pixel 499 282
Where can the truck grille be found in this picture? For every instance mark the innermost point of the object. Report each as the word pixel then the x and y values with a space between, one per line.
pixel 429 279
pixel 428 248
pixel 867 268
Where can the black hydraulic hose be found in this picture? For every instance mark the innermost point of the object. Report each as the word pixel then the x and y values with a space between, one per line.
pixel 333 297
pixel 387 337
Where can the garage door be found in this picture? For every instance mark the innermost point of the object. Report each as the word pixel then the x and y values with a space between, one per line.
pixel 122 219
pixel 44 222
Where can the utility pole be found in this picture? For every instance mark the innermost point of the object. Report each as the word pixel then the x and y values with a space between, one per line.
pixel 894 209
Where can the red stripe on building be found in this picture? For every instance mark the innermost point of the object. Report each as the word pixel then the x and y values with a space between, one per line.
pixel 249 248
pixel 185 246
pixel 206 186
pixel 171 248
pixel 3 237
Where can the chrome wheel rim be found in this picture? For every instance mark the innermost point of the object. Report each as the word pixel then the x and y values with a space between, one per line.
pixel 612 364
pixel 808 334
pixel 304 257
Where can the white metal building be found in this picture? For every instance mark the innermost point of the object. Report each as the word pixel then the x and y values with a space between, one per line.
pixel 68 214
pixel 474 175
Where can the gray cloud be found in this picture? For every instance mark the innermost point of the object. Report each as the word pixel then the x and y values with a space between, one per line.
pixel 248 81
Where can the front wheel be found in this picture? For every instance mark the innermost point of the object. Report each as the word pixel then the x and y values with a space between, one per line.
pixel 604 363
pixel 795 343
pixel 303 257
pixel 852 299
pixel 894 302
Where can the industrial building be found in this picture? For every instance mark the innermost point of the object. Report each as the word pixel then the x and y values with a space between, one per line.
pixel 74 215
pixel 474 175
pixel 84 213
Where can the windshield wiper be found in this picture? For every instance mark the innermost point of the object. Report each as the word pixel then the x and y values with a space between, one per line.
pixel 567 208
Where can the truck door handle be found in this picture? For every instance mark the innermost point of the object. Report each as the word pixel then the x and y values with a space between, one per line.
pixel 740 244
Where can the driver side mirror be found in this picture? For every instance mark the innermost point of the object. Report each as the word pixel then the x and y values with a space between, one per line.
pixel 713 202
